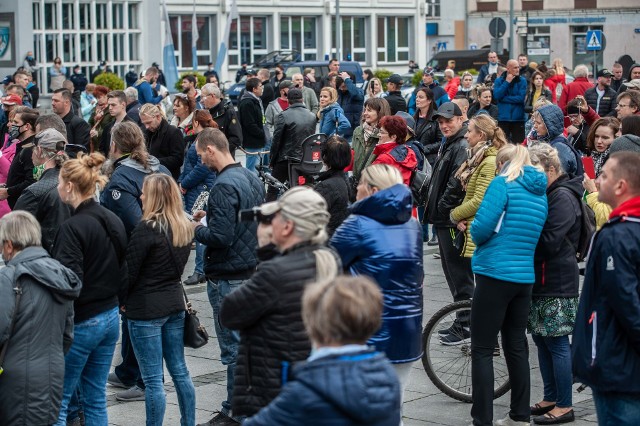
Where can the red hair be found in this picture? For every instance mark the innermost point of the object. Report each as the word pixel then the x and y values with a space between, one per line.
pixel 395 126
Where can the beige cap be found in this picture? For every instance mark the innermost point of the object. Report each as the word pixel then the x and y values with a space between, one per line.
pixel 304 206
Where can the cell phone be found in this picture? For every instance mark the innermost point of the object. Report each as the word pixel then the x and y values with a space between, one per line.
pixel 255 215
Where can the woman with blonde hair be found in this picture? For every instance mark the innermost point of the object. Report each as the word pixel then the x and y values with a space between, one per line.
pixel 381 240
pixel 507 227
pixel 332 120
pixel 92 243
pixel 154 304
pixel 374 89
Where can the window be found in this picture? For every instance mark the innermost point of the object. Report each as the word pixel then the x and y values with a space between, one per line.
pixel 393 39
pixel 354 36
pixel 299 33
pixel 181 26
pixel 538 44
pixel 433 8
pixel 532 5
pixel 580 53
pixel 487 6
pixel 247 40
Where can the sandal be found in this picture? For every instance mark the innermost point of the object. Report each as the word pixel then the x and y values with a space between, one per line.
pixel 538 410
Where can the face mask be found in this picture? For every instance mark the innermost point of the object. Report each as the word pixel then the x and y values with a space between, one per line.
pixel 37 171
pixel 14 132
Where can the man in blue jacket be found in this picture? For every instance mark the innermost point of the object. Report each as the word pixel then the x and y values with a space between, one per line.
pixel 509 91
pixel 439 94
pixel 606 342
pixel 351 99
pixel 147 87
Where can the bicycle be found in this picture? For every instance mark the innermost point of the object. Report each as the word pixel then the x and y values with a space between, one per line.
pixel 449 367
pixel 264 173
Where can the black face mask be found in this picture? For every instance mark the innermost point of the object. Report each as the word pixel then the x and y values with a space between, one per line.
pixel 14 132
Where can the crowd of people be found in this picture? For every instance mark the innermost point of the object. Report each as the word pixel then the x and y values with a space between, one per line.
pixel 317 293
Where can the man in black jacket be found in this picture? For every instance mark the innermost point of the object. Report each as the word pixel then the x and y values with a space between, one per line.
pixel 253 121
pixel 268 94
pixel 394 95
pixel 117 104
pixel 77 129
pixel 445 193
pixel 601 97
pixel 292 126
pixel 223 114
pixel 164 141
pixel 230 256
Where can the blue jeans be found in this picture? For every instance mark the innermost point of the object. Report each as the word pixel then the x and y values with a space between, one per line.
pixel 253 160
pixel 228 340
pixel 152 341
pixel 87 363
pixel 554 356
pixel 199 269
pixel 617 409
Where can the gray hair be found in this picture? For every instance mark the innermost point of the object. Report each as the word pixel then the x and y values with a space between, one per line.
pixel 21 228
pixel 212 89
pixel 545 156
pixel 581 71
pixel 131 93
pixel 449 72
pixel 52 121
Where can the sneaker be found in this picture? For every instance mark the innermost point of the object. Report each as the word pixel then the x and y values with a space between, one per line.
pixel 220 419
pixel 436 256
pixel 195 278
pixel 508 421
pixel 134 393
pixel 458 337
pixel 433 241
pixel 449 330
pixel 115 381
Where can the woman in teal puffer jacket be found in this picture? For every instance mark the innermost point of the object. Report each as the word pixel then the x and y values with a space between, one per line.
pixel 332 120
pixel 505 230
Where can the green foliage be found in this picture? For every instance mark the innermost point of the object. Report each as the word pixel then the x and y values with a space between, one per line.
pixel 417 78
pixel 110 80
pixel 201 79
pixel 382 74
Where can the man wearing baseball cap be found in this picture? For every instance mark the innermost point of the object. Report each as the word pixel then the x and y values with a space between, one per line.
pixel 444 196
pixel 394 95
pixel 601 97
pixel 428 80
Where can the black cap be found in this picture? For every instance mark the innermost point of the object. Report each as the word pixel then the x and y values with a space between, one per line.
pixel 395 79
pixel 294 95
pixel 448 110
pixel 604 73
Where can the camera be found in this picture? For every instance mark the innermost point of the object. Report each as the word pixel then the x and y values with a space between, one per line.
pixel 255 215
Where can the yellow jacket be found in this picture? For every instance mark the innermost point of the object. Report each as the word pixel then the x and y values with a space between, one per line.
pixel 478 183
pixel 602 210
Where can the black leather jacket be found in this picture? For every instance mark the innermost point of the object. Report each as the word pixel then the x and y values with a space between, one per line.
pixel 293 125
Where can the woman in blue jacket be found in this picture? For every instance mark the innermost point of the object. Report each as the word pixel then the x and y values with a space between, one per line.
pixel 195 179
pixel 381 240
pixel 505 230
pixel 331 116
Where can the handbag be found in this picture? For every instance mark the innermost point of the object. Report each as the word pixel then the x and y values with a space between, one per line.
pixel 459 241
pixel 195 335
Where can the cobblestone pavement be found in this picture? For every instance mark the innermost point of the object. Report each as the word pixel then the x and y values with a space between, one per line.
pixel 424 403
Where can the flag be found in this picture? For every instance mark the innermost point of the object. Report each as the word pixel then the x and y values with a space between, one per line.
pixel 194 38
pixel 168 52
pixel 222 51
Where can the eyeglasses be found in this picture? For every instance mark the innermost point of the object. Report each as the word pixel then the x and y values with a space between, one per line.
pixel 623 106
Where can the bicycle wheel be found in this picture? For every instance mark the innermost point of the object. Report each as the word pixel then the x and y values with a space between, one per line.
pixel 449 367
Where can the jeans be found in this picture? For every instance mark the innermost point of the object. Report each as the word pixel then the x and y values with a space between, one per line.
pixel 88 363
pixel 199 269
pixel 617 409
pixel 554 356
pixel 128 371
pixel 499 306
pixel 229 340
pixel 457 271
pixel 153 341
pixel 253 160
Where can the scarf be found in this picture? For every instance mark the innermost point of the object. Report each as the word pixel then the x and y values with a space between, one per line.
pixel 475 156
pixel 598 159
pixel 368 131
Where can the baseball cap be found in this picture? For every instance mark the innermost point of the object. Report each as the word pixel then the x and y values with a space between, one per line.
pixel 304 206
pixel 7 80
pixel 411 123
pixel 604 73
pixel 428 70
pixel 395 79
pixel 294 94
pixel 633 84
pixel 448 110
pixel 48 139
pixel 12 100
pixel 286 84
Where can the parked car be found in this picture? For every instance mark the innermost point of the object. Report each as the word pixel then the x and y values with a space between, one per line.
pixel 465 59
pixel 271 59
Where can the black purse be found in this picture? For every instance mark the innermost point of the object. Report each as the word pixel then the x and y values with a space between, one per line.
pixel 195 335
pixel 419 185
pixel 459 241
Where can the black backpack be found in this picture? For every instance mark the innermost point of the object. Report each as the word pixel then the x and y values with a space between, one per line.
pixel 587 228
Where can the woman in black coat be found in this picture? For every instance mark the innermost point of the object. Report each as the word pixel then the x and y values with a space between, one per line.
pixel 332 184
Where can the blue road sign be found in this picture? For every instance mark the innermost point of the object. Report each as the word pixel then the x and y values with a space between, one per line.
pixel 594 40
pixel 442 45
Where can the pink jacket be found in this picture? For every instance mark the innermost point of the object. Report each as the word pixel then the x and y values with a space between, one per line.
pixel 6 157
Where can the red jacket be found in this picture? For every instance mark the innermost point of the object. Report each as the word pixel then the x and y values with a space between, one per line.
pixel 573 89
pixel 399 156
pixel 452 87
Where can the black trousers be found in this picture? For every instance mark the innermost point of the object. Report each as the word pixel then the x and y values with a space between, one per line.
pixel 457 271
pixel 499 306
pixel 281 172
pixel 514 130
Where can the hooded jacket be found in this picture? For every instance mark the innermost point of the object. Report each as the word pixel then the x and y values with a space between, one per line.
pixel 556 267
pixel 397 155
pixel 334 121
pixel 381 241
pixel 507 226
pixel 570 159
pixel 625 143
pixel 122 193
pixel 342 390
pixel 31 385
pixel 606 337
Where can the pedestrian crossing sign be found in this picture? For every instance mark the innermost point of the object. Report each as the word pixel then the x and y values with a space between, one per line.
pixel 594 40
